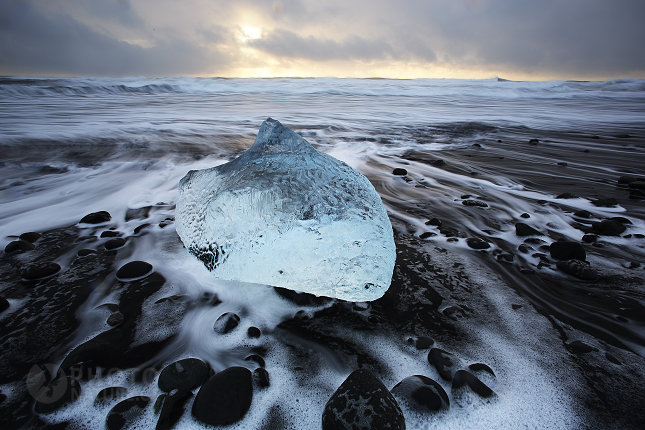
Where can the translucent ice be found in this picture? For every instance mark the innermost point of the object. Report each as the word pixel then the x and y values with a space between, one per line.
pixel 285 214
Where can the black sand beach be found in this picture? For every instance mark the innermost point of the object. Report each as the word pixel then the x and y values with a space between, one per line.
pixel 517 290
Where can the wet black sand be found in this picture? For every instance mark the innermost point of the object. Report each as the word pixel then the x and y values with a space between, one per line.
pixel 591 328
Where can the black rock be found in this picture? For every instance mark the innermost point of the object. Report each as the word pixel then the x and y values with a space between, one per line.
pixel 476 145
pixel 261 377
pixel 188 374
pixel 466 196
pixel 567 196
pixel 109 394
pixel 96 218
pixel 225 398
pixel 567 251
pixel 477 243
pixel 577 268
pixel 442 361
pixel 138 229
pixel 115 319
pixel 124 414
pixel 110 233
pixel 477 367
pixel 424 342
pixel 522 230
pixel 426 234
pixel 534 142
pixel 134 270
pixel 463 377
pixel 639 185
pixel 4 304
pixel 30 237
pixel 421 394
pixel 19 245
pixel 256 358
pixel 85 252
pixel 448 231
pixel 138 213
pixel 477 203
pixel 621 219
pixel 399 172
pixel 253 332
pixel 623 136
pixel 523 249
pixel 608 227
pixel 39 271
pixel 626 180
pixel 505 258
pixel 173 408
pixel 226 323
pixel 115 243
pixel 564 163
pixel 434 221
pixel 583 214
pixel 525 215
pixel 610 202
pixel 59 392
pixel 159 403
pixel 362 401
pixel 589 238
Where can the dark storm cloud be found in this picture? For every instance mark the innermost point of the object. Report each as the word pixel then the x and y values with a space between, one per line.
pixel 283 43
pixel 32 42
pixel 570 39
pixel 573 37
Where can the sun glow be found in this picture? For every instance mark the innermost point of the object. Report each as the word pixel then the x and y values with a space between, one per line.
pixel 250 33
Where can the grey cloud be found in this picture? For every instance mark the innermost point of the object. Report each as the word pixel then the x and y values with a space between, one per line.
pixel 32 43
pixel 283 43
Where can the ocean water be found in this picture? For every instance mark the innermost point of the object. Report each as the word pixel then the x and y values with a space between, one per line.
pixel 69 147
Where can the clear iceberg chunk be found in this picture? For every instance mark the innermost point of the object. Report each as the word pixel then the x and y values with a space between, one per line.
pixel 285 214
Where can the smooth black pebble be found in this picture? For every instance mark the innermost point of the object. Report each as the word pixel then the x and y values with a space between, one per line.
pixel 134 270
pixel 173 408
pixel 188 373
pixel 224 398
pixel 96 218
pixel 421 394
pixel 115 243
pixel 463 377
pixel 566 250
pixel 362 401
pixel 477 243
pixel 399 172
pixel 522 230
pixel 124 414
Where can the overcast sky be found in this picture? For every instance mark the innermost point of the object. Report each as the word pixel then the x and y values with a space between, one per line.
pixel 516 39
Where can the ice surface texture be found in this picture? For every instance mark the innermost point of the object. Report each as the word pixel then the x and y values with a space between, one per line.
pixel 287 215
